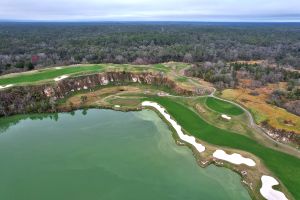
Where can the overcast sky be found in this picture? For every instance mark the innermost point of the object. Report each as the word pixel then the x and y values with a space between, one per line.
pixel 150 10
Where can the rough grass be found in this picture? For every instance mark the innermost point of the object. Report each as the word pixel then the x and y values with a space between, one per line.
pixel 161 67
pixel 284 166
pixel 263 111
pixel 97 97
pixel 182 79
pixel 46 74
pixel 223 106
pixel 259 117
pixel 125 101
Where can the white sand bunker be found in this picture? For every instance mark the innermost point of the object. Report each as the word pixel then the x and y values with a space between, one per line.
pixel 58 67
pixel 61 78
pixel 267 191
pixel 5 86
pixel 117 106
pixel 233 158
pixel 187 138
pixel 226 117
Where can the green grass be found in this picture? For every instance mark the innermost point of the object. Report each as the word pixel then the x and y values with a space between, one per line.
pixel 284 166
pixel 47 74
pixel 223 106
pixel 160 67
pixel 258 117
pixel 51 73
pixel 182 79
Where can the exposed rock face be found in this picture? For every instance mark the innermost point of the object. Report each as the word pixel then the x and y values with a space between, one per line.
pixel 42 98
pixel 282 135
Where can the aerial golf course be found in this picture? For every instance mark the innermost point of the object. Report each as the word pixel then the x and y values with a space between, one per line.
pixel 198 115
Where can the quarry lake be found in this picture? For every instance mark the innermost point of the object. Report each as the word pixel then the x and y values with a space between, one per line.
pixel 103 154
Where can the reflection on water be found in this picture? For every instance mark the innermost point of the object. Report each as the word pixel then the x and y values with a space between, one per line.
pixel 6 122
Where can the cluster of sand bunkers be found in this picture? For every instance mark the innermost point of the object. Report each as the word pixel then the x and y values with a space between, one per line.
pixel 267 181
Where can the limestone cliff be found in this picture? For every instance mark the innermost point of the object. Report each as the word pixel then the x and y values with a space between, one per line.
pixel 42 98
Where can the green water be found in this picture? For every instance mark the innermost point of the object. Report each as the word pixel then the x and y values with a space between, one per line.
pixel 104 154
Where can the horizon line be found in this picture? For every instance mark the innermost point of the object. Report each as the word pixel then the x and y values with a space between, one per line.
pixel 160 21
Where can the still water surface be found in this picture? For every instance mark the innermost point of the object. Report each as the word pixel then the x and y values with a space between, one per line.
pixel 103 154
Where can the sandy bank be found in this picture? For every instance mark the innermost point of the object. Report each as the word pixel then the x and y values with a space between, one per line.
pixel 5 86
pixel 226 117
pixel 61 77
pixel 187 138
pixel 268 192
pixel 233 158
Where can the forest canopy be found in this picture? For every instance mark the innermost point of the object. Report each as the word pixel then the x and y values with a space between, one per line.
pixel 24 46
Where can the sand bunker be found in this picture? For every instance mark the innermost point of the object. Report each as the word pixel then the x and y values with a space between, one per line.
pixel 187 138
pixel 117 106
pixel 226 117
pixel 58 67
pixel 268 192
pixel 233 158
pixel 61 77
pixel 6 86
pixel 267 182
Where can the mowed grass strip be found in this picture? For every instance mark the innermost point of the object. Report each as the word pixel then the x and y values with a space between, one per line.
pixel 284 166
pixel 52 73
pixel 47 74
pixel 223 106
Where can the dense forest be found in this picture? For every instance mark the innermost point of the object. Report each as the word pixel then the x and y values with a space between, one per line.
pixel 24 46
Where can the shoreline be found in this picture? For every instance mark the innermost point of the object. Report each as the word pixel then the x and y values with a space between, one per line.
pixel 266 189
pixel 203 162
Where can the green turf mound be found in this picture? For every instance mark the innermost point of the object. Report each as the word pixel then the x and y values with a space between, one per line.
pixel 223 106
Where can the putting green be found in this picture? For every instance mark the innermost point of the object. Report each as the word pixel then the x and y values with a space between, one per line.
pixel 223 106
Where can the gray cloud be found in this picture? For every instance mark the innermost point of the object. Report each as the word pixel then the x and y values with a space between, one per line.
pixel 164 10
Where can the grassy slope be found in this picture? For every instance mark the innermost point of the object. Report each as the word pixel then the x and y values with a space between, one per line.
pixel 284 166
pixel 47 74
pixel 223 106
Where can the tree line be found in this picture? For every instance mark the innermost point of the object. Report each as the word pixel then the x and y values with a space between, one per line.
pixel 24 46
